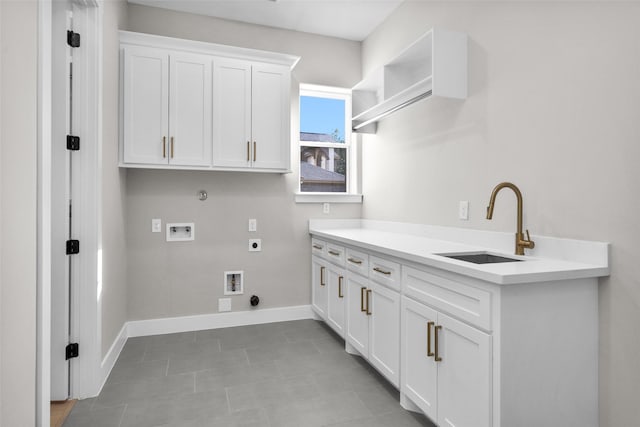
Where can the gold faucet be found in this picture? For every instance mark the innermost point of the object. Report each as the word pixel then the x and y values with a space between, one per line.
pixel 521 242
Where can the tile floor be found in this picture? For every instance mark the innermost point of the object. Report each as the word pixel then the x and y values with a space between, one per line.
pixel 279 374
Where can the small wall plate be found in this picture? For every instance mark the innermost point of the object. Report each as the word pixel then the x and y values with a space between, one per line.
pixel 233 282
pixel 180 231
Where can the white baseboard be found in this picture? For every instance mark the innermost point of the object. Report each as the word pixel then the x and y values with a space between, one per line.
pixel 112 355
pixel 139 328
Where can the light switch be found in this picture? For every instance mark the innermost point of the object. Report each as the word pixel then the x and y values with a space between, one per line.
pixel 253 224
pixel 463 210
pixel 156 225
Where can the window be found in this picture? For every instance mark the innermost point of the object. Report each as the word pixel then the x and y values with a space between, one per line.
pixel 325 140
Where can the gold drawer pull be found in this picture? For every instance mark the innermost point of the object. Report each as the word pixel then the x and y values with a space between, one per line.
pixel 362 309
pixel 172 147
pixel 355 261
pixel 437 357
pixel 164 147
pixel 368 301
pixel 317 247
pixel 248 151
pixel 340 287
pixel 429 325
pixel 379 270
pixel 334 253
pixel 255 151
pixel 321 276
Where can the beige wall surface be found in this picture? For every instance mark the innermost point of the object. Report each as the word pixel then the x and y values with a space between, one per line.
pixel 553 106
pixel 18 174
pixel 185 278
pixel 114 244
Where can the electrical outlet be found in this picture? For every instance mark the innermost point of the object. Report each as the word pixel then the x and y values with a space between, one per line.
pixel 156 225
pixel 463 210
pixel 224 304
pixel 326 208
pixel 253 224
pixel 255 245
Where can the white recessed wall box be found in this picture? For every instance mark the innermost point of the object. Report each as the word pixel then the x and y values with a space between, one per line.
pixel 233 283
pixel 180 231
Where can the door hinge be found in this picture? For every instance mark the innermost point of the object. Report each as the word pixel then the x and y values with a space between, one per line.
pixel 72 350
pixel 73 247
pixel 73 39
pixel 73 143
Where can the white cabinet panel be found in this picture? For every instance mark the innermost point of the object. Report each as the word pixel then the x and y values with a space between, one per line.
pixel 357 320
pixel 190 101
pixel 464 375
pixel 419 371
pixel 335 299
pixel 232 146
pixel 384 330
pixel 270 116
pixel 319 287
pixel 145 105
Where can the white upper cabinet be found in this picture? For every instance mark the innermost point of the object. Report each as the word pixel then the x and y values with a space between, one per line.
pixel 434 65
pixel 195 105
pixel 252 109
pixel 145 105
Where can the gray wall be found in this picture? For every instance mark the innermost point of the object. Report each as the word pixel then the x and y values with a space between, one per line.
pixel 114 244
pixel 176 279
pixel 18 173
pixel 553 107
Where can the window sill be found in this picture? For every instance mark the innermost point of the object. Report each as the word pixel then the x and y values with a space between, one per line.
pixel 328 198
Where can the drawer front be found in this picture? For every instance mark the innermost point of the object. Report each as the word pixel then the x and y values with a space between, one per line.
pixel 318 247
pixel 384 272
pixel 336 254
pixel 462 301
pixel 358 262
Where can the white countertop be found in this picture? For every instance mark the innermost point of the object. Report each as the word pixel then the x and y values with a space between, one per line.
pixel 554 259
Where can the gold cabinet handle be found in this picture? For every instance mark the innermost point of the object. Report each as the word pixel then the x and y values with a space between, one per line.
pixel 362 309
pixel 340 278
pixel 248 151
pixel 429 325
pixel 321 276
pixel 172 147
pixel 334 253
pixel 255 151
pixel 437 357
pixel 379 270
pixel 368 301
pixel 355 261
pixel 164 147
pixel 317 246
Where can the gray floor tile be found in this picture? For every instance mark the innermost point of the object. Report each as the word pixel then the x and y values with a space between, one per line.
pixel 279 374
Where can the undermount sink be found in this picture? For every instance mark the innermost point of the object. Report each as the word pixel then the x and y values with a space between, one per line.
pixel 480 257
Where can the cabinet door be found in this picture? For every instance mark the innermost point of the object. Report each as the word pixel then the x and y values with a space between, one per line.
pixel 145 105
pixel 271 132
pixel 464 375
pixel 335 299
pixel 232 145
pixel 319 287
pixel 384 332
pixel 190 106
pixel 357 320
pixel 419 369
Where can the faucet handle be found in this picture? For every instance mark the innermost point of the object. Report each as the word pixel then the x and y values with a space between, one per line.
pixel 530 243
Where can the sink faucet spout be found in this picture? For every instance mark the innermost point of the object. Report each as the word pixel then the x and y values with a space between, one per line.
pixel 521 242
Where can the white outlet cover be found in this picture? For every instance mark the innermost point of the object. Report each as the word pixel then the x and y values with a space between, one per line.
pixel 253 224
pixel 257 243
pixel 224 304
pixel 326 208
pixel 156 225
pixel 463 210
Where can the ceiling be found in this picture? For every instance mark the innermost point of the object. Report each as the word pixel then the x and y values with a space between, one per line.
pixel 347 19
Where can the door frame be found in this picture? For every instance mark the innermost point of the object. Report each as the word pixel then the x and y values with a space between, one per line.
pixel 87 314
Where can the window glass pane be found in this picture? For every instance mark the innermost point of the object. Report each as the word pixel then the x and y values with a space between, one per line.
pixel 323 169
pixel 322 119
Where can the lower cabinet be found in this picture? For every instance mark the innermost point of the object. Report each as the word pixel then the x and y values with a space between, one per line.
pixel 373 324
pixel 328 293
pixel 446 367
pixel 319 287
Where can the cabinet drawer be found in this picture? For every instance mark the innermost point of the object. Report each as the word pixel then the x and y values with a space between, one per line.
pixel 358 262
pixel 384 272
pixel 318 247
pixel 335 254
pixel 462 301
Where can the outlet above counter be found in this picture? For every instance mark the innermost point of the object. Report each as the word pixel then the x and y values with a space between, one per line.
pixel 552 259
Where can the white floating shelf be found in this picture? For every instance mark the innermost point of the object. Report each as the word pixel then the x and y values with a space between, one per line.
pixel 434 65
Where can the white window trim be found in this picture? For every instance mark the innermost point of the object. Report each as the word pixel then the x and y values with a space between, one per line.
pixel 353 173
